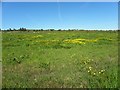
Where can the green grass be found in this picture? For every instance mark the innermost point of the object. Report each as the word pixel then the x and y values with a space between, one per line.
pixel 43 59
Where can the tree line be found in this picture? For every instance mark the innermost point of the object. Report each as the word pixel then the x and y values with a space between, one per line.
pixel 24 29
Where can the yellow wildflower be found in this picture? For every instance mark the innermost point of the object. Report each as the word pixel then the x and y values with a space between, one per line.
pixel 90 68
pixel 88 71
pixel 102 71
pixel 99 72
pixel 94 73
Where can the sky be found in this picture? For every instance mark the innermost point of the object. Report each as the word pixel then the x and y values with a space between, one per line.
pixel 60 0
pixel 60 15
pixel 0 15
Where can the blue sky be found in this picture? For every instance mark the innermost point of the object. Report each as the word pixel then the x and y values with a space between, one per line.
pixel 62 15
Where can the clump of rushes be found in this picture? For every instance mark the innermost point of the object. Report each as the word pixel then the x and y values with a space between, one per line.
pixel 15 59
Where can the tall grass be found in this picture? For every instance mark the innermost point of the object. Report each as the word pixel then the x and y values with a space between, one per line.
pixel 43 59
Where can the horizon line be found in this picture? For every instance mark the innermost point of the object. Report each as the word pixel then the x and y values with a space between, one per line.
pixel 52 29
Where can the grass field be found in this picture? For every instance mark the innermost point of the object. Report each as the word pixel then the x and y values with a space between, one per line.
pixel 60 59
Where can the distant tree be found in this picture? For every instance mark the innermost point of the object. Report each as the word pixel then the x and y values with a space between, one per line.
pixel 41 29
pixel 22 29
pixel 59 29
pixel 14 29
pixel 51 29
pixel 9 29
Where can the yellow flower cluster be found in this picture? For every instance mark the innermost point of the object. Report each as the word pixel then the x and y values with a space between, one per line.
pixel 88 61
pixel 86 40
pixel 101 71
pixel 89 69
pixel 38 36
pixel 94 72
pixel 92 40
pixel 74 41
pixel 80 41
pixel 47 41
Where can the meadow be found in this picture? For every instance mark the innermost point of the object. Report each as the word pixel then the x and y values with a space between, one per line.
pixel 59 59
